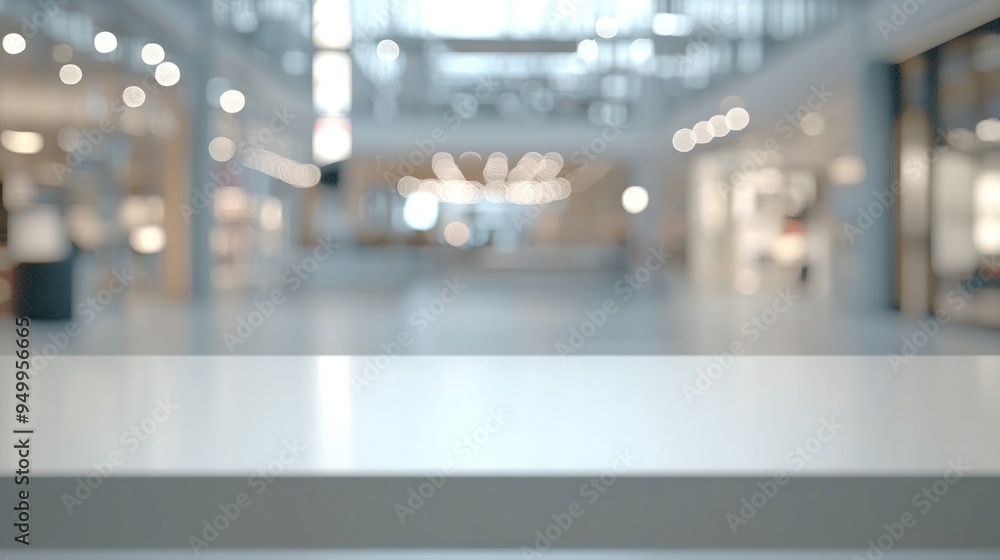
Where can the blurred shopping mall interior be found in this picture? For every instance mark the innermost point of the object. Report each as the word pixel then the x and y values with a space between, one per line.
pixel 591 176
pixel 667 237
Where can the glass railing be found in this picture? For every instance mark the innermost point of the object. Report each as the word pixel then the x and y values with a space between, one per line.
pixel 542 60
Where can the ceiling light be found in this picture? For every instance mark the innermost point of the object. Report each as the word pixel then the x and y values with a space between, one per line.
pixel 684 140
pixel 607 27
pixel 152 54
pixel 847 170
pixel 387 50
pixel 232 101
pixel 456 234
pixel 70 74
pixel 62 53
pixel 813 124
pixel 988 130
pixel 702 134
pixel 133 96
pixel 105 42
pixel 738 118
pixel 421 211
pixel 22 142
pixel 718 126
pixel 221 149
pixel 635 200
pixel 148 240
pixel 672 25
pixel 14 43
pixel 167 74
pixel 588 50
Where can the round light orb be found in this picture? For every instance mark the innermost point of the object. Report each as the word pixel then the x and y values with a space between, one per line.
pixel 14 43
pixel 70 74
pixel 635 200
pixel 607 27
pixel 133 96
pixel 738 118
pixel 684 140
pixel 456 234
pixel 167 74
pixel 387 50
pixel 232 101
pixel 105 42
pixel 221 149
pixel 152 54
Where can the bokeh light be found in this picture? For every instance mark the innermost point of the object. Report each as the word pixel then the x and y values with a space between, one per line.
pixel 133 96
pixel 232 101
pixel 607 27
pixel 167 74
pixel 70 74
pixel 152 54
pixel 105 42
pixel 684 140
pixel 456 234
pixel 738 118
pixel 14 43
pixel 387 50
pixel 221 149
pixel 635 199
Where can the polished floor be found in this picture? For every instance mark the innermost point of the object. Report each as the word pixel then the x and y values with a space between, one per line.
pixel 496 313
pixel 321 388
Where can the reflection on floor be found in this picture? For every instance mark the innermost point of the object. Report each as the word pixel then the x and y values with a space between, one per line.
pixel 508 313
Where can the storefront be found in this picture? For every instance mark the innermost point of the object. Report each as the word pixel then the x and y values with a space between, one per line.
pixel 948 168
